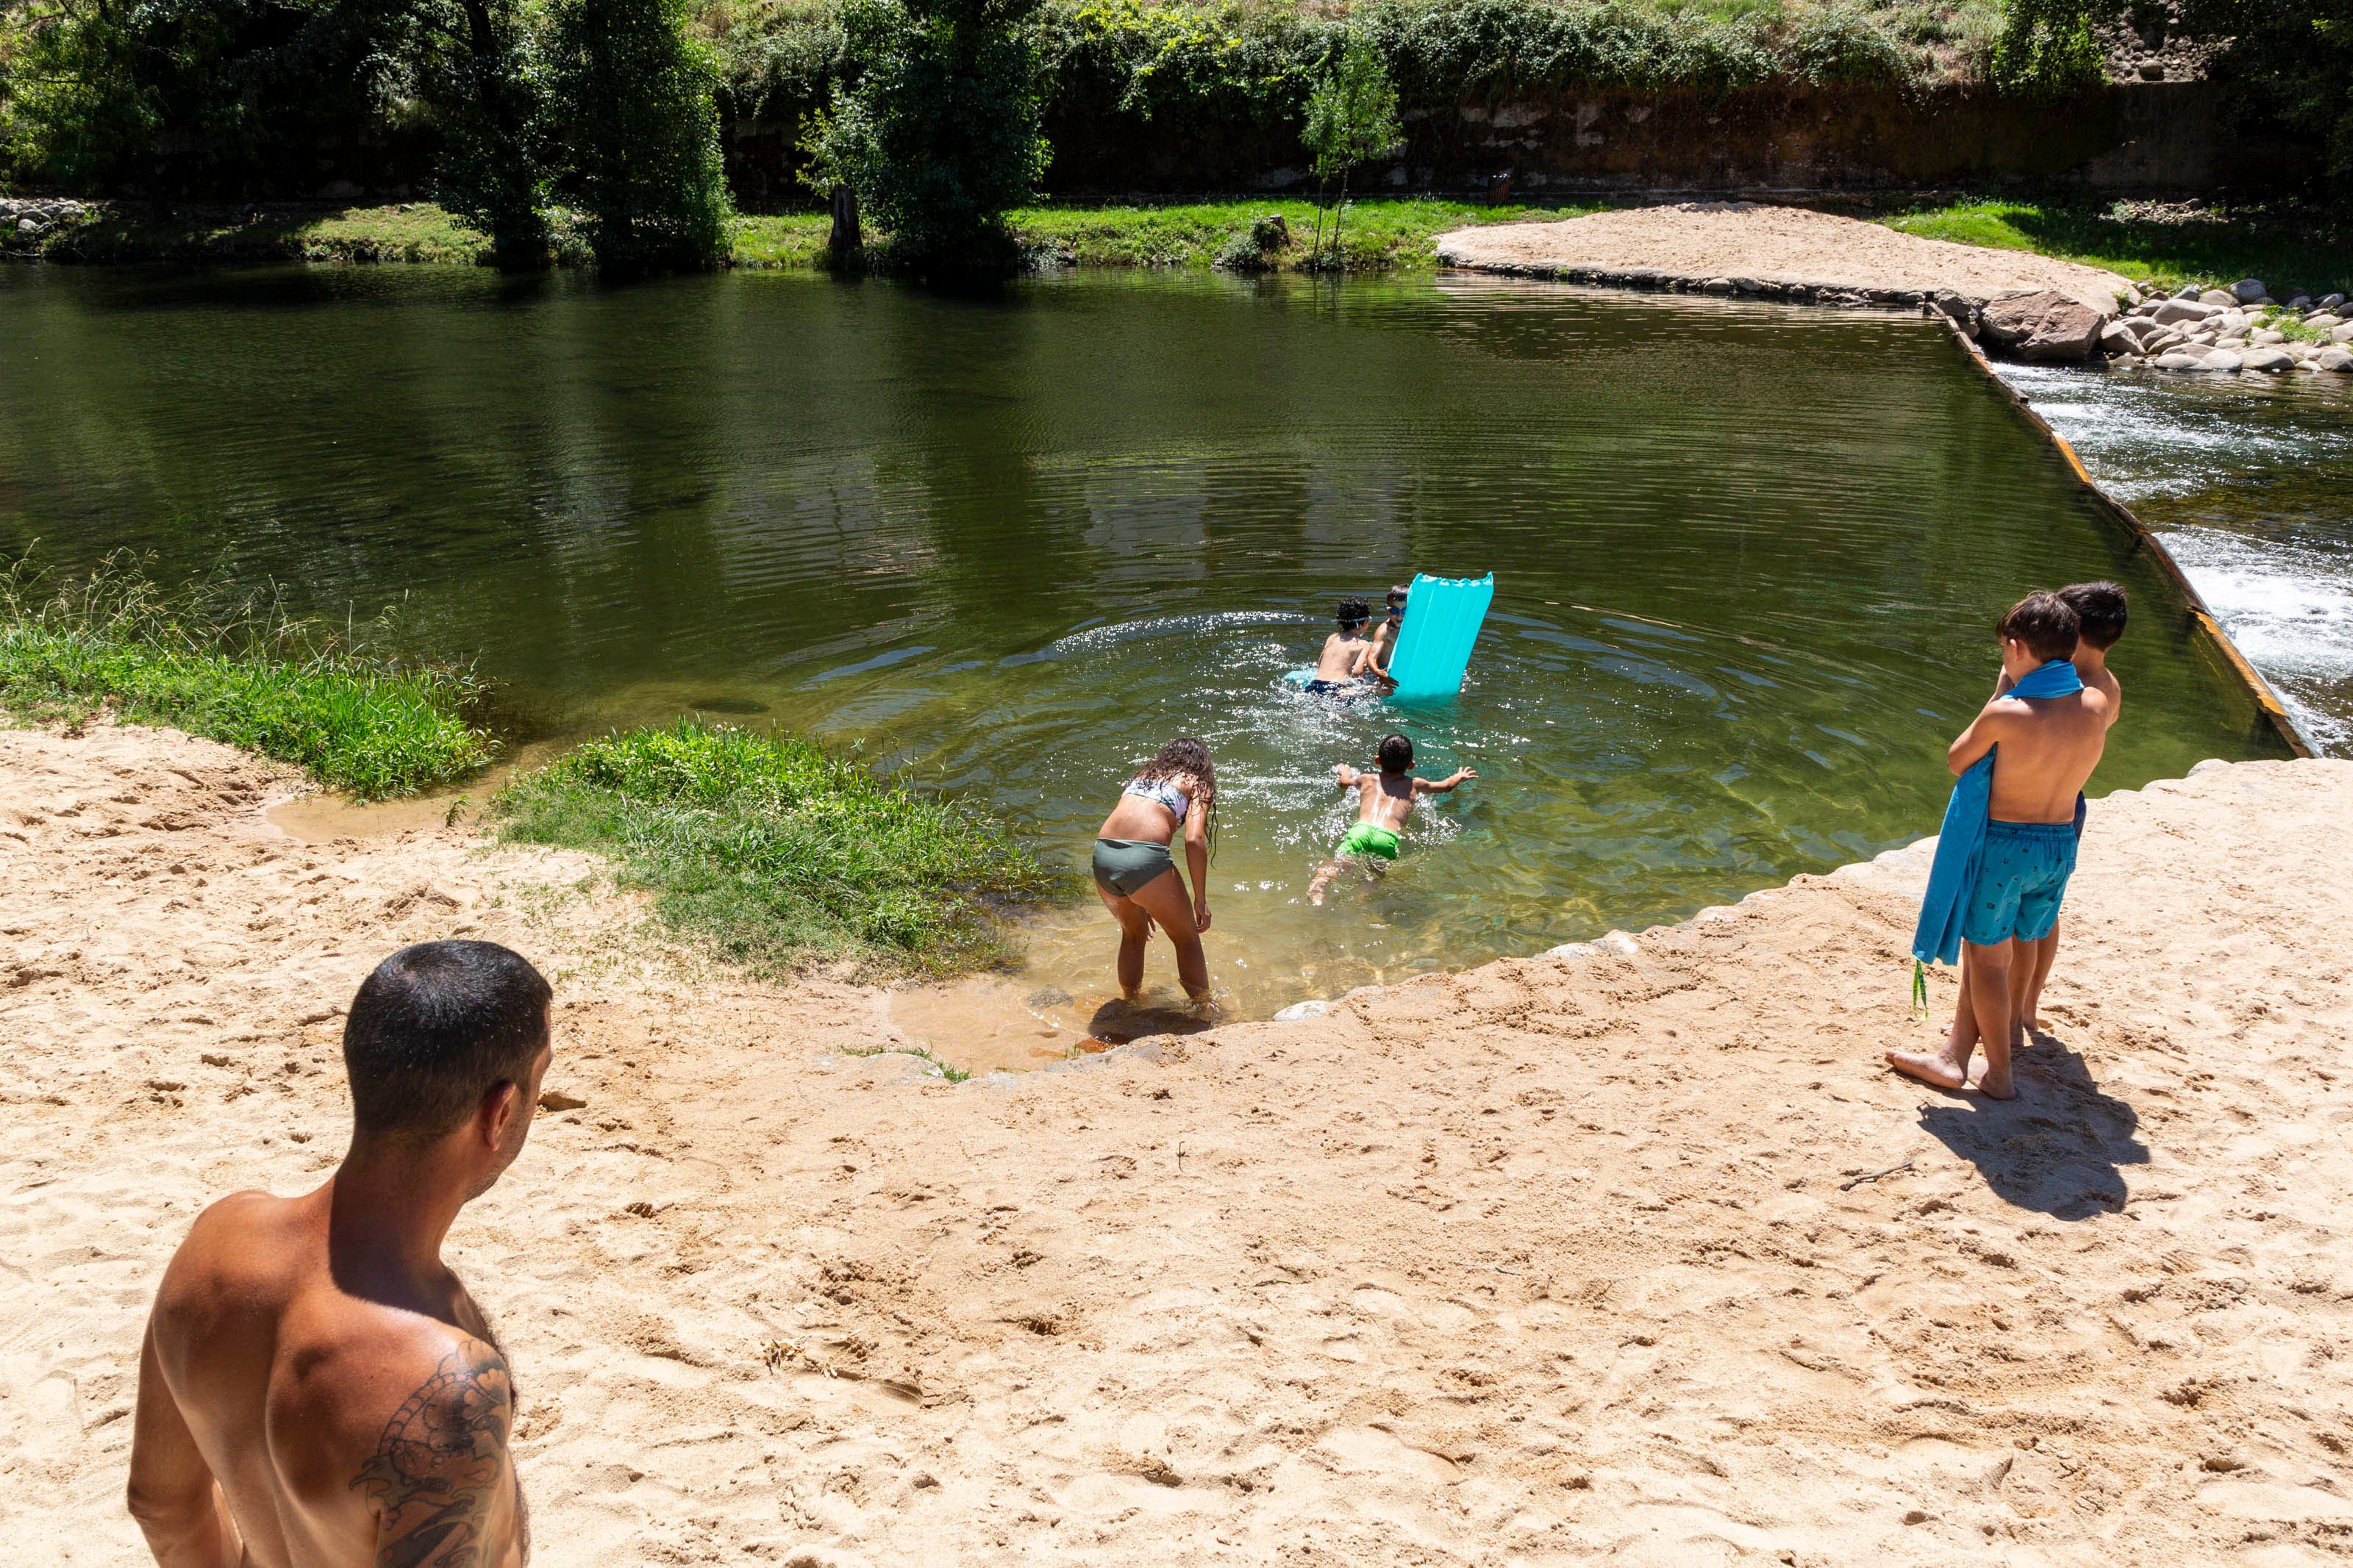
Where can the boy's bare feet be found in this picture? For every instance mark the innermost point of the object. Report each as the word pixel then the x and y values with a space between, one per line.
pixel 1939 1066
pixel 1994 1082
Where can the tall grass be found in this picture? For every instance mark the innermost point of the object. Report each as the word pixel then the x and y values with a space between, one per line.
pixel 236 666
pixel 2288 247
pixel 775 853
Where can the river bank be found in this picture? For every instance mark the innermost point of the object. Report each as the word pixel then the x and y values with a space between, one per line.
pixel 2170 244
pixel 1643 1255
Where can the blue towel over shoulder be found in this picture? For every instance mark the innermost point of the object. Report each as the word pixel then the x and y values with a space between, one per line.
pixel 1961 842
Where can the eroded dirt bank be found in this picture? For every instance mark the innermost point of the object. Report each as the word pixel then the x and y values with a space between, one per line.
pixel 1553 1260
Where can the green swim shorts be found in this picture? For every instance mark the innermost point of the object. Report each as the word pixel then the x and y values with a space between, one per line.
pixel 1367 839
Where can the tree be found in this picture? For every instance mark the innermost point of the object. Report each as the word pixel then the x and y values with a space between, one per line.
pixel 479 61
pixel 637 100
pixel 936 128
pixel 2290 61
pixel 1352 119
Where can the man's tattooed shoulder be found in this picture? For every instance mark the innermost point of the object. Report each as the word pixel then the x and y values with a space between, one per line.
pixel 440 1465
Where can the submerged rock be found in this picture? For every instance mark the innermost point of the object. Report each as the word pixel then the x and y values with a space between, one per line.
pixel 2044 328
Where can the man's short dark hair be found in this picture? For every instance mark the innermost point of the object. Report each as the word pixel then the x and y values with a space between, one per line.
pixel 1396 754
pixel 2043 621
pixel 436 1028
pixel 1353 612
pixel 2100 611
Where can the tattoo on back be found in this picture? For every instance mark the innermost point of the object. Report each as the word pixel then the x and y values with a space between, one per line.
pixel 436 1471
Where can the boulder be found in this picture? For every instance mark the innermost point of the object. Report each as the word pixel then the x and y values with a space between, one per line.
pixel 2264 337
pixel 2331 301
pixel 2180 361
pixel 2249 290
pixel 2271 361
pixel 2342 332
pixel 2186 291
pixel 2338 359
pixel 2223 359
pixel 2116 338
pixel 2301 302
pixel 2222 297
pixel 2045 327
pixel 2180 310
pixel 2323 322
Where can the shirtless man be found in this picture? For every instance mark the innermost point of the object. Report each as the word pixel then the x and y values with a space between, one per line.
pixel 2101 611
pixel 1384 801
pixel 1342 662
pixel 317 1390
pixel 2049 746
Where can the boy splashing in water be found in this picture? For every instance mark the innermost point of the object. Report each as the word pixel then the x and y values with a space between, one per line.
pixel 1384 801
pixel 1341 665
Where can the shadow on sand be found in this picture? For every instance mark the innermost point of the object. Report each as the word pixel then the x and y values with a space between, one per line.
pixel 1116 1022
pixel 2058 1147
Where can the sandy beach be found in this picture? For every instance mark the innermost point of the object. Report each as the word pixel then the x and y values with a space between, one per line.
pixel 1636 1254
pixel 1702 241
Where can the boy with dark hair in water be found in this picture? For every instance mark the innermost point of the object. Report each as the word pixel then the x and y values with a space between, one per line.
pixel 1384 636
pixel 1342 663
pixel 2049 744
pixel 1384 801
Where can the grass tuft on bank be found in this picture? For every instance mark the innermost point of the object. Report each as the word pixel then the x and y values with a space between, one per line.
pixel 239 670
pixel 2173 243
pixel 775 853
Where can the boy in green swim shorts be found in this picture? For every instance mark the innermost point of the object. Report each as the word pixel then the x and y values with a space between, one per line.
pixel 1383 800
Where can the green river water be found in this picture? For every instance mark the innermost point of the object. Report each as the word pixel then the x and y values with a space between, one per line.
pixel 1748 557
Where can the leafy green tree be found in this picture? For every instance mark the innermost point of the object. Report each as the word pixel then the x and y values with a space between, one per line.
pixel 1352 119
pixel 936 128
pixel 2287 60
pixel 636 97
pixel 480 59
pixel 2051 47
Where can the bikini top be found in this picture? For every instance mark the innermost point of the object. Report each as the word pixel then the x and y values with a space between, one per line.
pixel 1160 792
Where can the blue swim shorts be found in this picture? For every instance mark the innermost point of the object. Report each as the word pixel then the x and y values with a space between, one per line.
pixel 2021 876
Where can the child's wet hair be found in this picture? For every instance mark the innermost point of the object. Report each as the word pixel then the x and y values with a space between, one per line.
pixel 2045 623
pixel 1354 613
pixel 1396 754
pixel 1186 755
pixel 2101 609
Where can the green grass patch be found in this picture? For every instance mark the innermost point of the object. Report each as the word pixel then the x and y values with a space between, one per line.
pixel 2173 244
pixel 775 854
pixel 240 670
pixel 140 231
pixel 1377 234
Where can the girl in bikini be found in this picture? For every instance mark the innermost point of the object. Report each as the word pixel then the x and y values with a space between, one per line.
pixel 1136 875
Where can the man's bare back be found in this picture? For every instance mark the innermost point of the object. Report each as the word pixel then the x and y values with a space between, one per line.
pixel 316 1388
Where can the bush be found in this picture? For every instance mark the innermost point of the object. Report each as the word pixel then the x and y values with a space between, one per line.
pixel 775 853
pixel 936 127
pixel 239 670
pixel 1257 247
pixel 635 98
pixel 2050 47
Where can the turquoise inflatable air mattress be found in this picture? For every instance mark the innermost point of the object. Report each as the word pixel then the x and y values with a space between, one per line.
pixel 1441 621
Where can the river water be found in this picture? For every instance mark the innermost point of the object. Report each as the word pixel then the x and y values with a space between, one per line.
pixel 1748 557
pixel 2249 480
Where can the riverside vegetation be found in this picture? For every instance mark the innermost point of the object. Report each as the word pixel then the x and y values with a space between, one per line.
pixel 764 849
pixel 589 128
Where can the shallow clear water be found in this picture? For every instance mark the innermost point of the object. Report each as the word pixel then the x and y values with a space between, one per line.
pixel 1748 557
pixel 2249 479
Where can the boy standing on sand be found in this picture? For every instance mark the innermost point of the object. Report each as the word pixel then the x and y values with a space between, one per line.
pixel 2044 749
pixel 1384 801
pixel 2101 610
pixel 1342 662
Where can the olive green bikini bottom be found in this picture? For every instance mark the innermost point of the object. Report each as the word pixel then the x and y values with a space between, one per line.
pixel 1124 865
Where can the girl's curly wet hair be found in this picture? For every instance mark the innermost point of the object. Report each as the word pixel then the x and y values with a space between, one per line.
pixel 1186 755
